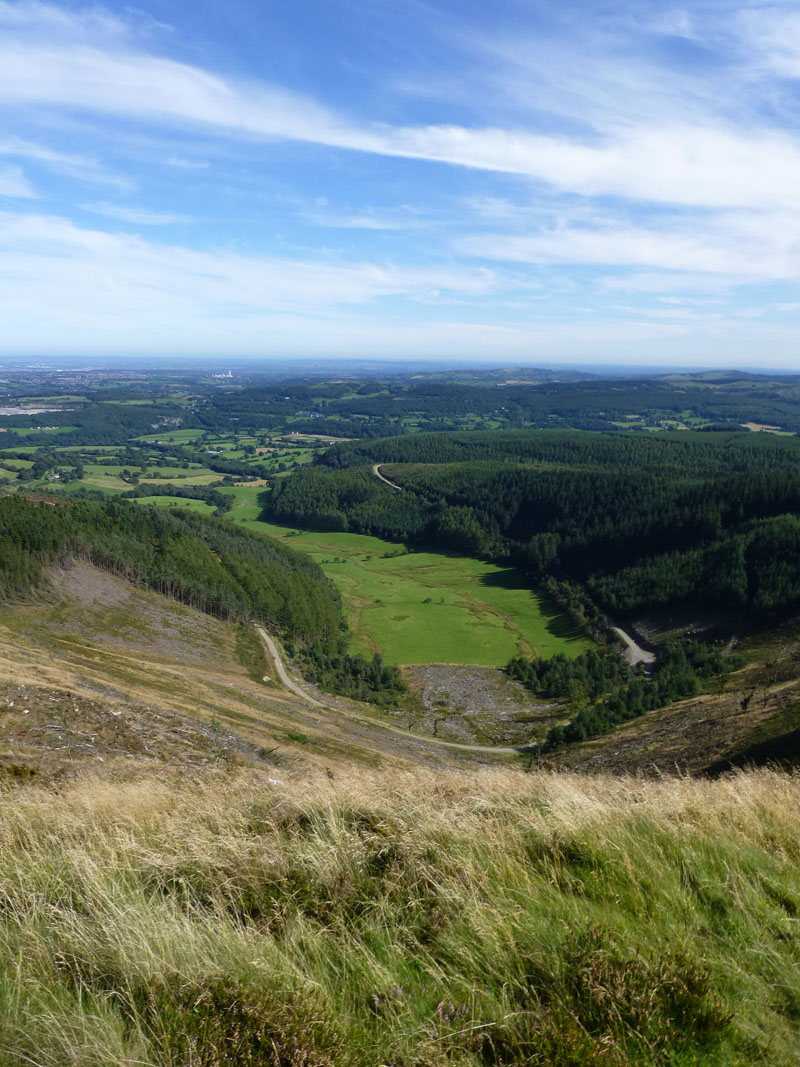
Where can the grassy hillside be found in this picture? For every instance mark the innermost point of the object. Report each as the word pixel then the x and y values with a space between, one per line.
pixel 206 563
pixel 428 920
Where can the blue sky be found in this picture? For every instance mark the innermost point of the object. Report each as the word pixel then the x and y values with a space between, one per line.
pixel 521 181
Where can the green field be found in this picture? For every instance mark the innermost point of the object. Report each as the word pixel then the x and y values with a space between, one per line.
pixel 16 464
pixel 432 607
pixel 196 476
pixel 177 502
pixel 107 476
pixel 246 506
pixel 171 435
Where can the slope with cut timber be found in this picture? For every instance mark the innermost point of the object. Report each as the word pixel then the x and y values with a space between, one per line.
pixel 96 670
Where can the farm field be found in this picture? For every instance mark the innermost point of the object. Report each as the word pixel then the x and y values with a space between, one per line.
pixel 177 502
pixel 433 607
pixel 171 436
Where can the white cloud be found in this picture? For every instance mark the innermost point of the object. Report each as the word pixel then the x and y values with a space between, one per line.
pixel 137 216
pixel 71 270
pixel 92 23
pixel 695 161
pixel 675 23
pixel 709 167
pixel 84 168
pixel 14 183
pixel 187 164
pixel 740 246
pixel 92 291
pixel 605 69
pixel 655 282
pixel 366 220
pixel 138 85
pixel 772 35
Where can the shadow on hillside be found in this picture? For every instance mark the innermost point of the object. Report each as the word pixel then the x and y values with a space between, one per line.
pixel 557 622
pixel 783 751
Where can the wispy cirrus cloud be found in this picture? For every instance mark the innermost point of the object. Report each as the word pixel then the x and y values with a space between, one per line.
pixel 657 283
pixel 93 288
pixel 90 22
pixel 747 246
pixel 138 216
pixel 329 216
pixel 187 164
pixel 701 162
pixel 773 35
pixel 13 183
pixel 49 247
pixel 81 167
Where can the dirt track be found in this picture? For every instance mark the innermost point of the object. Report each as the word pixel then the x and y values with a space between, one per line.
pixel 281 671
pixel 376 470
pixel 300 691
pixel 633 653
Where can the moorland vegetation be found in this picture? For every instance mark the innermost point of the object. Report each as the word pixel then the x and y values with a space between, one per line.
pixel 406 918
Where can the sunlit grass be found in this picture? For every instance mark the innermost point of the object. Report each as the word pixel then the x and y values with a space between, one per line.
pixel 427 919
pixel 433 607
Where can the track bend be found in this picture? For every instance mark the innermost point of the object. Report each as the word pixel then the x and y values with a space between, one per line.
pixel 633 653
pixel 300 691
pixel 376 470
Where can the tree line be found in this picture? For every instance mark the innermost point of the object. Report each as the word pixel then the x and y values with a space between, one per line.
pixel 210 564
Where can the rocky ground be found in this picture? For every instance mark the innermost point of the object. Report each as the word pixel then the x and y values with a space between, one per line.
pixel 44 732
pixel 480 704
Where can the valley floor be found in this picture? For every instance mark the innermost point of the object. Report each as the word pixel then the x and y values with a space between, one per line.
pixel 99 671
pixel 418 607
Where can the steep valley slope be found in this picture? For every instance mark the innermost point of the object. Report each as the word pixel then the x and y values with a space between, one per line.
pixel 97 670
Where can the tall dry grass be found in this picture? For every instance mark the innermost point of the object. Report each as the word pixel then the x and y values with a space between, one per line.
pixel 406 919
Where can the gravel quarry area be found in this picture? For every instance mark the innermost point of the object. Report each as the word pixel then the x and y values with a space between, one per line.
pixel 477 704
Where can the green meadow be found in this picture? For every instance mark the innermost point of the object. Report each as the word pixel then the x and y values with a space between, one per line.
pixel 107 476
pixel 418 607
pixel 432 607
pixel 171 435
pixel 177 502
pixel 246 505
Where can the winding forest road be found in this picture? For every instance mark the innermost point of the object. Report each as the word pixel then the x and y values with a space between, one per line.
pixel 300 691
pixel 633 653
pixel 283 674
pixel 376 470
